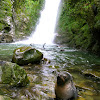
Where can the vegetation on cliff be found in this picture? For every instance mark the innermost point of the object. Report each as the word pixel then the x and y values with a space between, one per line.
pixel 79 24
pixel 19 17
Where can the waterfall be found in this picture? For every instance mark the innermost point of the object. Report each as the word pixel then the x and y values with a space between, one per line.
pixel 45 30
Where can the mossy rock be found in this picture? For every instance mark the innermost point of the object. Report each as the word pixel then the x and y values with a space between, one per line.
pixel 12 74
pixel 4 98
pixel 26 55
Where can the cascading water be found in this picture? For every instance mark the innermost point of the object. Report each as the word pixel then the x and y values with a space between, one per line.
pixel 44 32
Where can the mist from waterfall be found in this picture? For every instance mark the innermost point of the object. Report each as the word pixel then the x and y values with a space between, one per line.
pixel 45 30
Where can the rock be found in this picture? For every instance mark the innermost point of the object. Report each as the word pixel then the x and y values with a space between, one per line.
pixel 92 74
pixel 7 29
pixel 0 38
pixel 12 74
pixel 26 55
pixel 46 61
pixel 5 38
pixel 4 98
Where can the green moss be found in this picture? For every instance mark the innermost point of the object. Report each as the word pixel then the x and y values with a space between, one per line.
pixel 1 26
pixel 13 75
pixel 4 98
pixel 26 55
pixel 22 49
pixel 27 14
pixel 23 15
pixel 6 76
pixel 5 11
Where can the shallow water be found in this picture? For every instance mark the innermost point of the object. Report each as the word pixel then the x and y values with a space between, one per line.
pixel 84 67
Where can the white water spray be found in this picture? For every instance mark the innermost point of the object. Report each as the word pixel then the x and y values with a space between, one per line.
pixel 44 32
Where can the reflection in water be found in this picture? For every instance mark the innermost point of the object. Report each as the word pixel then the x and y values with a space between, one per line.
pixel 84 67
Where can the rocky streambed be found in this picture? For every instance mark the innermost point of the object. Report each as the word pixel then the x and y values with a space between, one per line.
pixel 84 67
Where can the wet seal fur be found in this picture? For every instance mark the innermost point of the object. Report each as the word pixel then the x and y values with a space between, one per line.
pixel 65 88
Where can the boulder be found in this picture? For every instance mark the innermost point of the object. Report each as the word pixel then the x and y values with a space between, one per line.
pixel 5 38
pixel 26 55
pixel 12 74
pixel 4 98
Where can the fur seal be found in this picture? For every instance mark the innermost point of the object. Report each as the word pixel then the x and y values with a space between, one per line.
pixel 65 88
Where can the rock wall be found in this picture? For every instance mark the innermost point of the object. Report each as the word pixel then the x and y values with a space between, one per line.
pixel 79 24
pixel 18 18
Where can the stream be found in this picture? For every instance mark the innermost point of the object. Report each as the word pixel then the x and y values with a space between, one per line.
pixel 84 67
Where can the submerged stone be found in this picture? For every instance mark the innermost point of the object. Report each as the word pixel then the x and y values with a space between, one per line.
pixel 26 55
pixel 12 74
pixel 92 74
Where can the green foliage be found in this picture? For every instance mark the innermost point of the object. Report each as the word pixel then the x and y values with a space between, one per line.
pixel 23 14
pixel 27 14
pixel 1 26
pixel 77 22
pixel 5 8
pixel 18 4
pixel 97 22
pixel 5 11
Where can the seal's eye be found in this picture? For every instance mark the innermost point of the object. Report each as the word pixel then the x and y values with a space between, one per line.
pixel 65 78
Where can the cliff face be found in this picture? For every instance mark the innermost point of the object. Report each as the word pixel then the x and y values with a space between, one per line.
pixel 18 17
pixel 79 24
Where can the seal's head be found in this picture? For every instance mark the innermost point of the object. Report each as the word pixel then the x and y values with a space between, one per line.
pixel 63 78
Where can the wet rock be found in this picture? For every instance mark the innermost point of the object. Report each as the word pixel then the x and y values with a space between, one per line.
pixel 26 55
pixel 12 74
pixel 81 98
pixel 4 98
pixel 92 74
pixel 62 50
pixel 7 29
pixel 46 61
pixel 6 38
pixel 0 37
